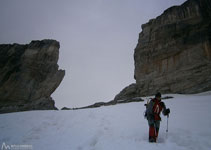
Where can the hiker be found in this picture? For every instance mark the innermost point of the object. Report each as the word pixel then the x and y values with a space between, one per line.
pixel 153 110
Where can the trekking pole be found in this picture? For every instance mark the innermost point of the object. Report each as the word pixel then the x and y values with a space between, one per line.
pixel 167 127
pixel 167 123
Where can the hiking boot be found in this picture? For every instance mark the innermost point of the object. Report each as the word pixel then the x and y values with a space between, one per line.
pixel 152 140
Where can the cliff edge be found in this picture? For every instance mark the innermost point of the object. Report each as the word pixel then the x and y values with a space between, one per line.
pixel 173 54
pixel 29 75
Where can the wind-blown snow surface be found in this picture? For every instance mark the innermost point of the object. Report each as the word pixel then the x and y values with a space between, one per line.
pixel 119 127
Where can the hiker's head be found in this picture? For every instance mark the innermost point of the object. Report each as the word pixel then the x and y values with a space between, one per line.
pixel 158 96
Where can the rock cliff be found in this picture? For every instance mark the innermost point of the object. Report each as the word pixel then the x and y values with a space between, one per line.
pixel 173 54
pixel 29 75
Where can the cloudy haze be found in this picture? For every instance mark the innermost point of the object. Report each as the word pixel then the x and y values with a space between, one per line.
pixel 97 40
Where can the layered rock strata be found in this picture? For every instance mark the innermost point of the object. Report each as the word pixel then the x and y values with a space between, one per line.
pixel 173 54
pixel 29 74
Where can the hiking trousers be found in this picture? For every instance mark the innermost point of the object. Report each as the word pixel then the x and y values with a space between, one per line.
pixel 154 126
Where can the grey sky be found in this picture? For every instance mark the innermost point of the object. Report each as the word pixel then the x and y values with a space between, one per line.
pixel 97 39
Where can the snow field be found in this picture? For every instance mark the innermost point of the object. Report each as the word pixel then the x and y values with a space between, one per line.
pixel 118 127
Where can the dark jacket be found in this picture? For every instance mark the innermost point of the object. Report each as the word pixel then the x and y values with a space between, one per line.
pixel 154 108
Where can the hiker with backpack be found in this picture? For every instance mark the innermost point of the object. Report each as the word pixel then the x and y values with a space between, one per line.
pixel 153 110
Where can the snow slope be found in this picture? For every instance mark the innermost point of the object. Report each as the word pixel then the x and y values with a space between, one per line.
pixel 118 127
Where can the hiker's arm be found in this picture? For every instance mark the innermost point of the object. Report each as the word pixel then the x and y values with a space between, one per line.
pixel 166 111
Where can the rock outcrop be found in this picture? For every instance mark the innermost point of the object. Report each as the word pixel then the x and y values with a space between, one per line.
pixel 173 54
pixel 29 75
pixel 112 102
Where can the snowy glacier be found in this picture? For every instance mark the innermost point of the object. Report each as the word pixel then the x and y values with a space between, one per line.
pixel 117 127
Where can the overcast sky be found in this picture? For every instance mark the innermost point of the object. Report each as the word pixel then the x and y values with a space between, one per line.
pixel 97 40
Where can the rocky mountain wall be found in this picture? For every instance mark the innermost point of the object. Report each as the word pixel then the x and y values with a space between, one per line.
pixel 173 54
pixel 29 74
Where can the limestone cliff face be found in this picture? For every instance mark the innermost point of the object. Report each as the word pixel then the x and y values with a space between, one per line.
pixel 29 75
pixel 173 54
